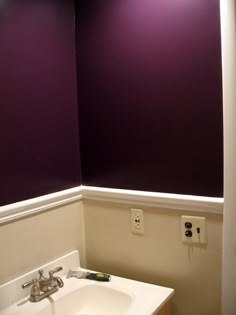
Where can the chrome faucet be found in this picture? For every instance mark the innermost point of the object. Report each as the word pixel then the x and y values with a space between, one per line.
pixel 43 287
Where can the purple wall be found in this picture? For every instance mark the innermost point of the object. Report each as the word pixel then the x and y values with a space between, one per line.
pixel 38 99
pixel 149 90
pixel 150 100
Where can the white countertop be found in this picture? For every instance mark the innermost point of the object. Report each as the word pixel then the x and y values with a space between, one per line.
pixel 146 299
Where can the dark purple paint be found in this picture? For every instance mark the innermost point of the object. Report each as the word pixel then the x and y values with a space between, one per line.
pixel 149 89
pixel 38 99
pixel 150 100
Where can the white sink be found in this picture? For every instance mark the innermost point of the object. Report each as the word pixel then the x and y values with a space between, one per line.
pixel 120 296
pixel 91 299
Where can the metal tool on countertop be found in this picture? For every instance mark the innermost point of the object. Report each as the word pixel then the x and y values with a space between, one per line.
pixel 79 274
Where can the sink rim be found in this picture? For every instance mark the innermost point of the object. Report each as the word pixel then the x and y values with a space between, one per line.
pixel 14 300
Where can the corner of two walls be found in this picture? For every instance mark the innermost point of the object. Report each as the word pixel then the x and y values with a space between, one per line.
pixel 158 257
pixel 101 232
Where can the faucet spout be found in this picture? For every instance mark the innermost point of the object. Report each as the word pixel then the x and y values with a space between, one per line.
pixel 43 287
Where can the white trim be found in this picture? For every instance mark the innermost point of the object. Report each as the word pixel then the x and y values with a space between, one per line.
pixel 144 198
pixel 40 204
pixel 154 199
pixel 228 42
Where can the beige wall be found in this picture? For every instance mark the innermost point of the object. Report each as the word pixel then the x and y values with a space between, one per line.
pixel 33 241
pixel 159 256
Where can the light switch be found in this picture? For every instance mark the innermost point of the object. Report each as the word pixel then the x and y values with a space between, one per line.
pixel 193 229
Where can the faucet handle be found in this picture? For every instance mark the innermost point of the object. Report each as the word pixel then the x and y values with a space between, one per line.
pixel 55 281
pixel 51 272
pixel 29 283
pixel 35 291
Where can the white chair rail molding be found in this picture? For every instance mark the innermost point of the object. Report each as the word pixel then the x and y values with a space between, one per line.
pixel 142 198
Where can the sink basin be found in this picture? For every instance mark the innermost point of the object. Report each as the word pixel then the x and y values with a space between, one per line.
pixel 120 296
pixel 90 300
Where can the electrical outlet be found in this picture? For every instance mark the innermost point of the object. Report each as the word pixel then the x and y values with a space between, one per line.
pixel 193 229
pixel 137 221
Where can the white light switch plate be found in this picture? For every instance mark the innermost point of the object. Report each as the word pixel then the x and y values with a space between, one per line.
pixel 198 229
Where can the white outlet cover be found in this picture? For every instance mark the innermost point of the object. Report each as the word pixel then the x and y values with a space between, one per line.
pixel 198 224
pixel 137 221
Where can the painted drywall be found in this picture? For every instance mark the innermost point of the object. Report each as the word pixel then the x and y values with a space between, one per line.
pixel 148 85
pixel 38 115
pixel 31 242
pixel 228 24
pixel 150 95
pixel 158 256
